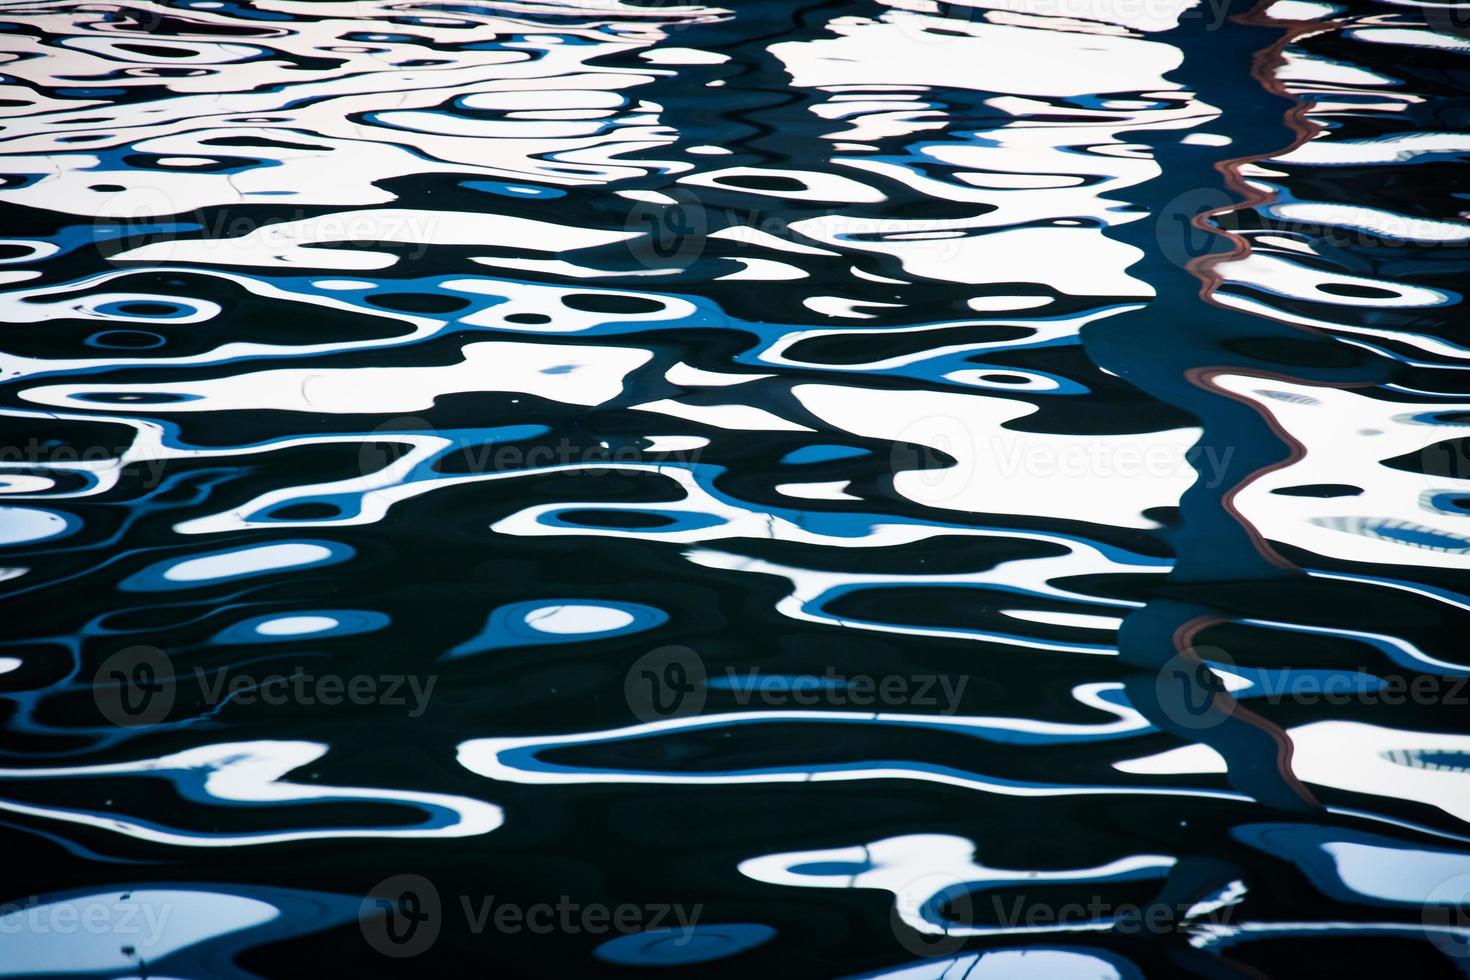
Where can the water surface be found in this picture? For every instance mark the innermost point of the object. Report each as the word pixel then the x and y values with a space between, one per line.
pixel 892 488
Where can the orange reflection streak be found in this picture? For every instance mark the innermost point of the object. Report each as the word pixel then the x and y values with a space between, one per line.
pixel 1184 644
pixel 1263 70
pixel 1264 67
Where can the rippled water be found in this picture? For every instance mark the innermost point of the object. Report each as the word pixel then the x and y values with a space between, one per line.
pixel 896 488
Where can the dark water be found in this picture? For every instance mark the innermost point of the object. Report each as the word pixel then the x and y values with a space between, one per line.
pixel 780 489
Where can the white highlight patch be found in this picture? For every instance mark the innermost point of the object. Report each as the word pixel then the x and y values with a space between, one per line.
pixel 741 417
pixel 299 244
pixel 568 620
pixel 1079 620
pixel 688 376
pixel 567 374
pixel 683 56
pixel 247 561
pixel 22 525
pixel 1347 755
pixel 835 490
pixel 89 933
pixel 295 625
pixel 1105 479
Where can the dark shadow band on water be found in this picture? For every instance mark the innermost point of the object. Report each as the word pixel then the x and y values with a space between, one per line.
pixel 1170 349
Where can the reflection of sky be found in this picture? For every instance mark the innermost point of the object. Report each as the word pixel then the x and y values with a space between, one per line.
pixel 157 931
pixel 905 358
